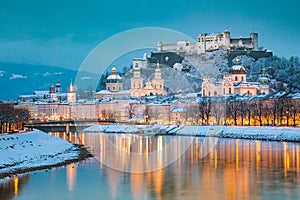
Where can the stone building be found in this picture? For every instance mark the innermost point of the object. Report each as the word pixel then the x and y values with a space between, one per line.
pixel 210 42
pixel 154 87
pixel 114 87
pixel 234 83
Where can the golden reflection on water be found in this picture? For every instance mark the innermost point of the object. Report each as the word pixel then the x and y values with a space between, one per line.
pixel 233 169
pixel 16 186
pixel 71 175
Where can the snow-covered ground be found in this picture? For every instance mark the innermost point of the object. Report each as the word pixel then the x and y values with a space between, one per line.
pixel 33 149
pixel 241 132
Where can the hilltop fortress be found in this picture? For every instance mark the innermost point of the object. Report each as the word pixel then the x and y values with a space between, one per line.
pixel 210 42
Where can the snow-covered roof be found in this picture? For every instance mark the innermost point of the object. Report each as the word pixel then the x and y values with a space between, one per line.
pixel 113 76
pixel 238 67
pixel 178 110
pixel 41 92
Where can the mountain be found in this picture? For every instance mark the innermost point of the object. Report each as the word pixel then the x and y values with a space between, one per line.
pixel 17 79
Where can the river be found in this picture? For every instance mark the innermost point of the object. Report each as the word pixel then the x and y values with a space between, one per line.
pixel 175 168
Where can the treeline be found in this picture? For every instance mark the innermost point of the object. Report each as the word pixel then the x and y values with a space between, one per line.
pixel 271 112
pixel 283 73
pixel 12 118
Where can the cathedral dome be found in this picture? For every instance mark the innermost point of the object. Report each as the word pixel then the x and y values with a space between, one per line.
pixel 114 77
pixel 237 68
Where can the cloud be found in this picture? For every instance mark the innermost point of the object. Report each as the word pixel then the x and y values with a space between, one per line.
pixel 86 78
pixel 46 74
pixel 2 73
pixel 58 73
pixel 15 76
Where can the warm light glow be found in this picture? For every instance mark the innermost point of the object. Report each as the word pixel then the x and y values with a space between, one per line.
pixel 16 186
pixel 237 154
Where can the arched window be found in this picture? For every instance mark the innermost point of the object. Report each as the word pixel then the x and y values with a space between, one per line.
pixel 209 94
pixel 242 78
pixel 223 90
pixel 215 93
pixel 229 90
pixel 236 78
pixel 203 93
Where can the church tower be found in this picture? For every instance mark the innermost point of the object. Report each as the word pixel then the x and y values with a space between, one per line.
pixel 71 94
pixel 158 82
pixel 53 93
pixel 137 84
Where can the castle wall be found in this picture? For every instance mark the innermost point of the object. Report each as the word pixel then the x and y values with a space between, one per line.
pixel 210 42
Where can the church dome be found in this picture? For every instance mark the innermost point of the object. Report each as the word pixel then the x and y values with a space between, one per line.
pixel 114 77
pixel 58 84
pixel 237 68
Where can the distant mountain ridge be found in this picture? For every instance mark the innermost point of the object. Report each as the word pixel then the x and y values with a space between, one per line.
pixel 17 79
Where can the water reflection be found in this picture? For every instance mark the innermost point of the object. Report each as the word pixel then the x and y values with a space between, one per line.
pixel 10 187
pixel 234 169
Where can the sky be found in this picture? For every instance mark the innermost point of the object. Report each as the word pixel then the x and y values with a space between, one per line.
pixel 62 33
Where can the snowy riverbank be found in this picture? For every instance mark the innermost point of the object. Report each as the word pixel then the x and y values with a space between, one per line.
pixel 237 132
pixel 34 150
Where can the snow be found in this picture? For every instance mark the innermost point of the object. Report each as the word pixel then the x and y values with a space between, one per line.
pixel 33 149
pixel 241 132
pixel 16 76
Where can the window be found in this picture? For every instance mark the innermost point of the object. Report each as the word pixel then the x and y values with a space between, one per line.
pixel 236 78
pixel 114 88
pixel 203 93
pixel 209 94
pixel 108 88
pixel 160 86
pixel 229 90
pixel 215 93
pixel 223 90
pixel 242 78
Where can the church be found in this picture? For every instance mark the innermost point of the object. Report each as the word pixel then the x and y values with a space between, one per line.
pixel 154 87
pixel 114 85
pixel 234 83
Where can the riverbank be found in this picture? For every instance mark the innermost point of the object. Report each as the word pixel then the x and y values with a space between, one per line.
pixel 235 132
pixel 36 150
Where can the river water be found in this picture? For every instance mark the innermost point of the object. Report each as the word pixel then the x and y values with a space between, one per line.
pixel 175 168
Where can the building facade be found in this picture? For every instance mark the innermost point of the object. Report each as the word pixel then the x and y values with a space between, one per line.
pixel 210 42
pixel 154 87
pixel 234 83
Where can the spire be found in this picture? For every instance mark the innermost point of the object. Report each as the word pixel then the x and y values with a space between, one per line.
pixel 71 87
pixel 114 70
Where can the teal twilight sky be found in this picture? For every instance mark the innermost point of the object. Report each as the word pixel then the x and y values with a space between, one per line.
pixel 62 33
